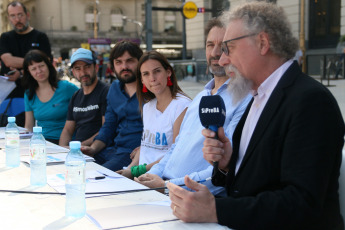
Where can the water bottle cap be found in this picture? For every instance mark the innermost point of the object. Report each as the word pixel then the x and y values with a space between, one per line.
pixel 74 145
pixel 37 129
pixel 11 119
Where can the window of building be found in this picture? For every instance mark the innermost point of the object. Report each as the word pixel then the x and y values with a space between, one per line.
pixel 90 18
pixel 324 28
pixel 170 21
pixel 116 15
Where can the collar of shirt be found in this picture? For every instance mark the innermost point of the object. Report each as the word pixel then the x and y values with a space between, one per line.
pixel 210 85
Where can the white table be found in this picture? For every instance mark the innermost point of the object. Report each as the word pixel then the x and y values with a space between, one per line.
pixel 33 211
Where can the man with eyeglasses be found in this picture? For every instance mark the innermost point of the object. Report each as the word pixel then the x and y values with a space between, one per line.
pixel 87 107
pixel 16 43
pixel 281 170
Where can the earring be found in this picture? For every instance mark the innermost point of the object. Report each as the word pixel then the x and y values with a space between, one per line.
pixel 169 83
pixel 144 89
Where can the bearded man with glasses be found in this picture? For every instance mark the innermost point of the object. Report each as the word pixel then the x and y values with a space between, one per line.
pixel 281 169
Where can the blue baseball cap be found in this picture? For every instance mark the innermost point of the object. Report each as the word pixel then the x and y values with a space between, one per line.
pixel 82 55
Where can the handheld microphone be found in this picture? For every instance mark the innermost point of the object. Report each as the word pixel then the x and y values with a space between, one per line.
pixel 212 114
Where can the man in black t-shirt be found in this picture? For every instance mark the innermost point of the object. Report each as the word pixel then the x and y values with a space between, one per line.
pixel 16 43
pixel 88 105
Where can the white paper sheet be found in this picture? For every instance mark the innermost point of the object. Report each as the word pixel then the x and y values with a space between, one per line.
pixel 112 182
pixel 6 87
pixel 131 215
pixel 57 158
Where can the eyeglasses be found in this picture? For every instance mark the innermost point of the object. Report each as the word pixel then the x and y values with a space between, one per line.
pixel 224 46
pixel 19 16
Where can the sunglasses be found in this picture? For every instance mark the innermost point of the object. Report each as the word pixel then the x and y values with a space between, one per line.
pixel 224 45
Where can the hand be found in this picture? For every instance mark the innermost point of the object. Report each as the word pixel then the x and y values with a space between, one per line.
pixel 134 152
pixel 14 76
pixel 198 206
pixel 87 150
pixel 125 172
pixel 151 181
pixel 217 150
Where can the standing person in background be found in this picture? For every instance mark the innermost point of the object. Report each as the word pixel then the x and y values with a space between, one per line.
pixel 164 107
pixel 122 129
pixel 46 97
pixel 16 43
pixel 87 107
pixel 281 169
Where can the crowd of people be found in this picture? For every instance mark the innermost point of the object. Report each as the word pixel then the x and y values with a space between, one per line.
pixel 279 151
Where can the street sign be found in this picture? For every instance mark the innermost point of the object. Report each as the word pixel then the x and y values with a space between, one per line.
pixel 189 10
pixel 85 46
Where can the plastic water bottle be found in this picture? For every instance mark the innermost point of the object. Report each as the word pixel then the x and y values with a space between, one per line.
pixel 12 143
pixel 38 159
pixel 75 181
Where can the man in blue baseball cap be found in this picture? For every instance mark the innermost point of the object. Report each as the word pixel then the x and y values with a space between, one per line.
pixel 88 105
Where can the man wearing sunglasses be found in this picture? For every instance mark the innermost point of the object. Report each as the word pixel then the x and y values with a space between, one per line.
pixel 281 170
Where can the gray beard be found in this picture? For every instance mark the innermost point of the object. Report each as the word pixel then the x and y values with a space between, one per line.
pixel 25 27
pixel 239 87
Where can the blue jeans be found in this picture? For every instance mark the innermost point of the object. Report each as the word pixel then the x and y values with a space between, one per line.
pixel 111 159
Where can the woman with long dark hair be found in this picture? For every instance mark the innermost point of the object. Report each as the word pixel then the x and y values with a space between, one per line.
pixel 46 97
pixel 163 105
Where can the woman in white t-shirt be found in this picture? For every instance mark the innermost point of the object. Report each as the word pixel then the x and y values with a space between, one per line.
pixel 164 107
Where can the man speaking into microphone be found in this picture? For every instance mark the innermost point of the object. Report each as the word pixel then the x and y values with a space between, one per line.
pixel 185 157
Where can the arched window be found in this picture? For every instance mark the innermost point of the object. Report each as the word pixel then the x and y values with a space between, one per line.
pixel 116 15
pixel 90 18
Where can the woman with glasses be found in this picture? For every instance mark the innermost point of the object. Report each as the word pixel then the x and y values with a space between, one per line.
pixel 163 105
pixel 46 97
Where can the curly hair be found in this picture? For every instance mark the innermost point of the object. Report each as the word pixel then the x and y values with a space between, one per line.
pixel 28 82
pixel 145 97
pixel 270 18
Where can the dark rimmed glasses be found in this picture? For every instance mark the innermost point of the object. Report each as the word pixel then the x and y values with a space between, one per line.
pixel 224 46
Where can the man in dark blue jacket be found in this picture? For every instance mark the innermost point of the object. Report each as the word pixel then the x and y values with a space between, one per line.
pixel 122 130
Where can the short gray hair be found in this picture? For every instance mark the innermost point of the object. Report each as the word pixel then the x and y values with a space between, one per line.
pixel 267 17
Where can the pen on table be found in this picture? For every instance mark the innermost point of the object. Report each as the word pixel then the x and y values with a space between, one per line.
pixel 97 178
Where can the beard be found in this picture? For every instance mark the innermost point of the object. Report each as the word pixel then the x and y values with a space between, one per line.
pixel 127 79
pixel 24 28
pixel 239 87
pixel 216 70
pixel 91 81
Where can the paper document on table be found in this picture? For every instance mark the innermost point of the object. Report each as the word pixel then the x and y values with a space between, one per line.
pixel 109 182
pixel 131 215
pixel 6 87
pixel 22 132
pixel 56 158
